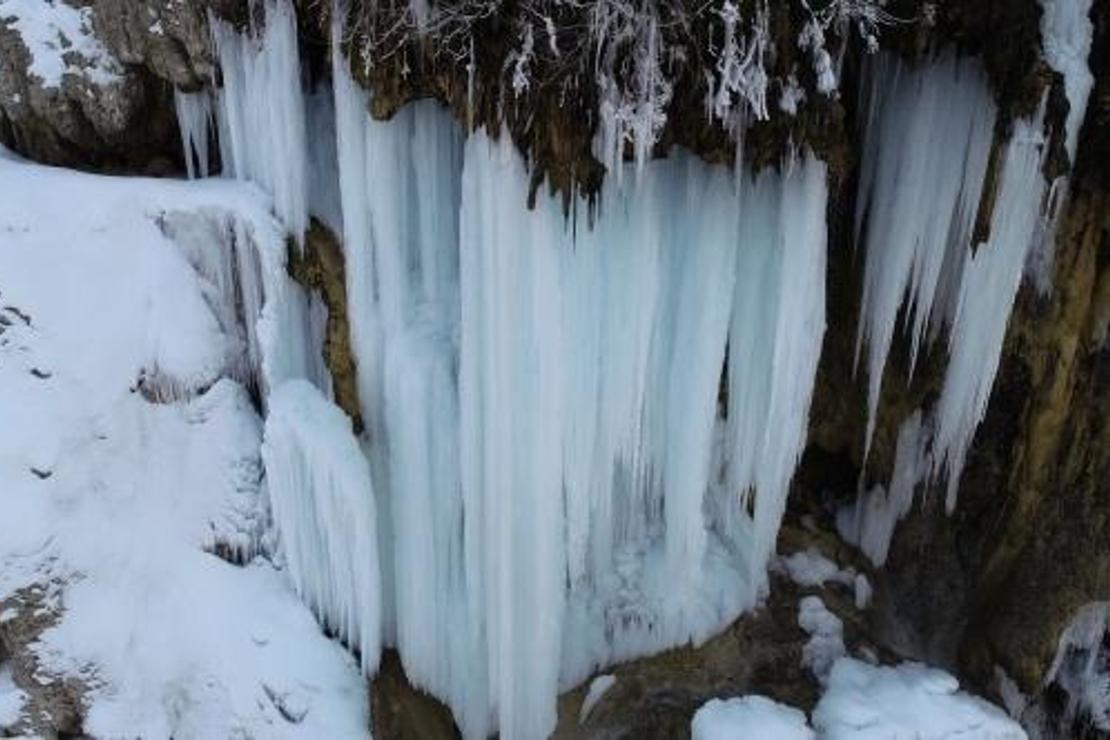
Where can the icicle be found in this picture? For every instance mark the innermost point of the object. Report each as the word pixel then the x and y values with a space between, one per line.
pixel 323 508
pixel 261 111
pixel 194 119
pixel 990 284
pixel 927 139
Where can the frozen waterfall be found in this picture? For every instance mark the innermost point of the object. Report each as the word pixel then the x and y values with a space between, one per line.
pixel 580 437
pixel 550 449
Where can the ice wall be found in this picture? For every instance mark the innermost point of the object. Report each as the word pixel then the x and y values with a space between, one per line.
pixel 548 440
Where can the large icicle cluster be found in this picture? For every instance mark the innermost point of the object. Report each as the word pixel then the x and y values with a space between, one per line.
pixel 548 444
pixel 927 137
pixel 928 132
pixel 323 508
pixel 259 113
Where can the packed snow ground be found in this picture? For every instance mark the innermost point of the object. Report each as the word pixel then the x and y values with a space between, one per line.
pixel 118 501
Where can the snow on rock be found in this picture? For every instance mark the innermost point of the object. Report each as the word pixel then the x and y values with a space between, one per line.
pixel 112 502
pixel 323 508
pixel 597 689
pixel 826 637
pixel 809 568
pixel 61 41
pixel 909 701
pixel 749 717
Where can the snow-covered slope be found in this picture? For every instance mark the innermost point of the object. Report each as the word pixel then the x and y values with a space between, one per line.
pixel 129 457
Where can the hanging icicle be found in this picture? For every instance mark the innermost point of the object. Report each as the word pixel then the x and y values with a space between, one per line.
pixel 927 138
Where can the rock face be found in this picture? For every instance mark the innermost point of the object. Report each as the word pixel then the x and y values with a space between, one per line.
pixel 89 83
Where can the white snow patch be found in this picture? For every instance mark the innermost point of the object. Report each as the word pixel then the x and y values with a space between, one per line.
pixel 11 699
pixel 749 717
pixel 905 702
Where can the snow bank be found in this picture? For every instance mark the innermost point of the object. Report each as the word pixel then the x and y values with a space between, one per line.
pixel 749 717
pixel 132 497
pixel 61 41
pixel 905 702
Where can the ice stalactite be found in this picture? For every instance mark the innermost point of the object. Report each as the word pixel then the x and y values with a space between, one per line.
pixel 927 138
pixel 195 120
pixel 323 506
pixel 260 110
pixel 400 190
pixel 991 278
pixel 778 322
pixel 928 132
pixel 542 401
